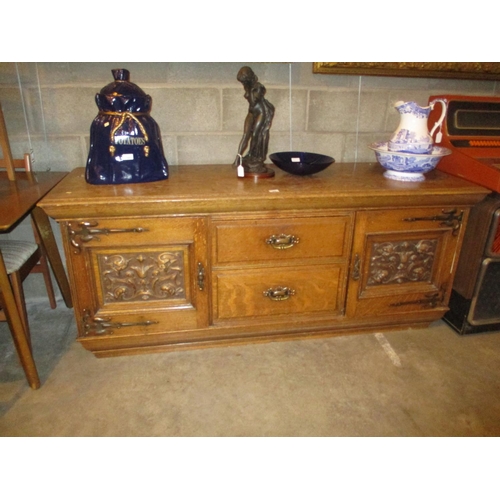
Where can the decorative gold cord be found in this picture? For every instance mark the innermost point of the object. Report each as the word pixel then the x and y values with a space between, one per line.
pixel 123 116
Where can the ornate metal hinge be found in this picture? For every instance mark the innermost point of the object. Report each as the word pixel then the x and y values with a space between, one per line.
pixel 283 241
pixel 88 230
pixel 431 301
pixel 450 218
pixel 104 326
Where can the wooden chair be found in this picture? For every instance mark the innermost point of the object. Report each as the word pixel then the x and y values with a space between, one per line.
pixel 19 334
pixel 20 258
pixel 24 257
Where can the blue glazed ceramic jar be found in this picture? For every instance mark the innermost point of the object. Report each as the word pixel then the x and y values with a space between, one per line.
pixel 125 141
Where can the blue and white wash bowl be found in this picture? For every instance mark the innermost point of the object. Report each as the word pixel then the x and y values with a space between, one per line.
pixel 407 167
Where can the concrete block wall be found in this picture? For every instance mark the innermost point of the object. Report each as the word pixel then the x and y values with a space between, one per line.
pixel 200 109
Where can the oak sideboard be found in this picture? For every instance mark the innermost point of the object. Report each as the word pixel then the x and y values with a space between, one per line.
pixel 205 258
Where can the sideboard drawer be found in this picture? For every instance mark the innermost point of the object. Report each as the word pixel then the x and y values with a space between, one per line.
pixel 285 291
pixel 263 240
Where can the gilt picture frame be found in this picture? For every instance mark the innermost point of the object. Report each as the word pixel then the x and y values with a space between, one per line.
pixel 458 70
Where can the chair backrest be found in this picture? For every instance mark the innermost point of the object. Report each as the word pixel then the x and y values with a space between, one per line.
pixel 7 161
pixel 25 164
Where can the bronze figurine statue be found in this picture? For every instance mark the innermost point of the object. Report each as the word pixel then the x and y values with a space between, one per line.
pixel 256 128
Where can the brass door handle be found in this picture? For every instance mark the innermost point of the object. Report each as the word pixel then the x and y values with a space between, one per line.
pixel 282 241
pixel 279 293
pixel 356 268
pixel 201 276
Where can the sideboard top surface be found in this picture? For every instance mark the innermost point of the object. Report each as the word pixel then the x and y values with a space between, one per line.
pixel 216 188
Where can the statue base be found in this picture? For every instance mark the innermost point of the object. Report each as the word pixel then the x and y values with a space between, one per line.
pixel 266 173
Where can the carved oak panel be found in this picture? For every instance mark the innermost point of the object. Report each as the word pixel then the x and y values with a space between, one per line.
pixel 398 262
pixel 142 276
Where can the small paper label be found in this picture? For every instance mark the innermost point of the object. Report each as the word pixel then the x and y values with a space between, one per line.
pixel 125 157
pixel 296 160
pixel 241 171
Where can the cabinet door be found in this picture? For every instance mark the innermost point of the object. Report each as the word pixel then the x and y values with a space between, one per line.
pixel 138 276
pixel 403 261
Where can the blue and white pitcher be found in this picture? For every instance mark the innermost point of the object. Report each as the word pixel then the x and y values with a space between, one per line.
pixel 412 134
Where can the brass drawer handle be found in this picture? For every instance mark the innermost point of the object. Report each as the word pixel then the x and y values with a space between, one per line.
pixel 279 293
pixel 282 241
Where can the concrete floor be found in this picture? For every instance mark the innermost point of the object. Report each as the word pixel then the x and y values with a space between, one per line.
pixel 428 382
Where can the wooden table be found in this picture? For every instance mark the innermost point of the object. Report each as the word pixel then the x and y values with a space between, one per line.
pixel 18 199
